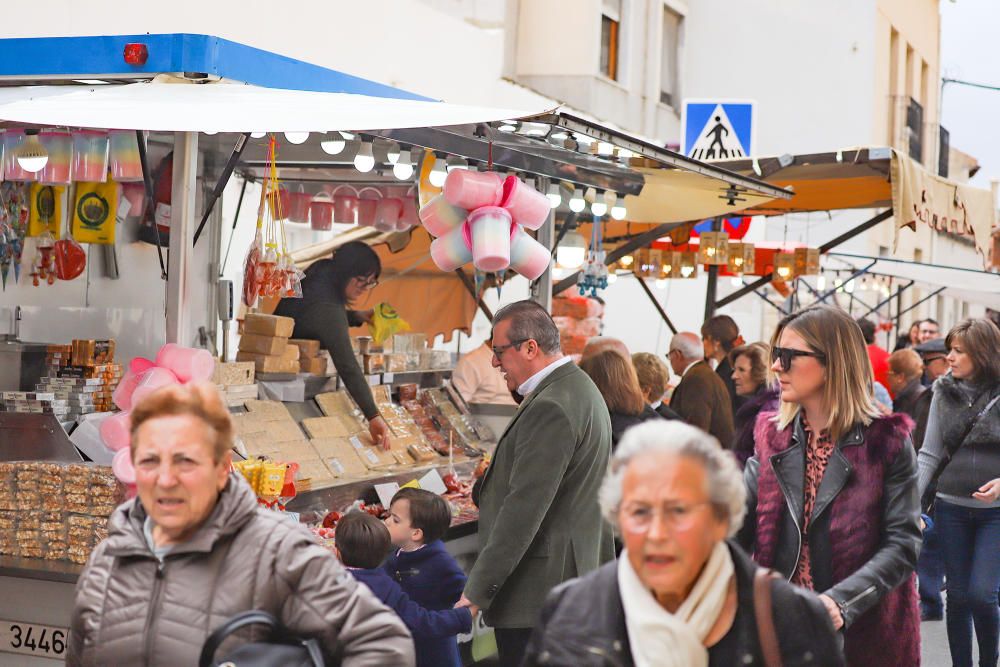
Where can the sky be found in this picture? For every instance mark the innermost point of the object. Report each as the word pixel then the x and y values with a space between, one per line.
pixel 970 51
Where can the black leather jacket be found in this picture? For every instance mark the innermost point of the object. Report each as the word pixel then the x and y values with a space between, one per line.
pixel 900 528
pixel 583 623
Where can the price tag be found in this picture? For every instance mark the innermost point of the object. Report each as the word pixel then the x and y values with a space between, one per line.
pixel 33 639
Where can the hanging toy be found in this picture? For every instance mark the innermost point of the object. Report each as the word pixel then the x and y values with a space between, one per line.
pixel 594 276
pixel 481 217
pixel 45 261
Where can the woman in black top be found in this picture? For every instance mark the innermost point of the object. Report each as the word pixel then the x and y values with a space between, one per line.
pixel 615 377
pixel 720 335
pixel 329 287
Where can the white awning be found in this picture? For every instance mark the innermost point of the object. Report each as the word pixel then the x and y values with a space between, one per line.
pixel 229 107
pixel 960 283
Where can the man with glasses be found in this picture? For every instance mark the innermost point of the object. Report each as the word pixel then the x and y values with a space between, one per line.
pixel 539 519
pixel 701 398
pixel 928 330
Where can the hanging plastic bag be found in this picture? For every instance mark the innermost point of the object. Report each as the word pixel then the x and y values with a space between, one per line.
pixel 386 322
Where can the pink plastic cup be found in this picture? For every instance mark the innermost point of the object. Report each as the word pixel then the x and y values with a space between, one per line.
pixel 528 207
pixel 116 431
pixel 90 156
pixel 12 139
pixel 58 170
pixel 153 379
pixel 125 163
pixel 452 250
pixel 345 209
pixel 469 189
pixel 439 217
pixel 122 395
pixel 189 364
pixel 298 209
pixel 121 466
pixel 387 213
pixel 527 256
pixel 490 228
pixel 321 212
pixel 409 216
pixel 366 212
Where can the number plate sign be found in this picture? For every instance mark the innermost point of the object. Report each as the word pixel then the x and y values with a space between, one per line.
pixel 33 639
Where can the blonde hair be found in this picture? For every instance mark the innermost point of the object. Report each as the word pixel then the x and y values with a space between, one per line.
pixel 197 399
pixel 653 374
pixel 616 379
pixel 847 390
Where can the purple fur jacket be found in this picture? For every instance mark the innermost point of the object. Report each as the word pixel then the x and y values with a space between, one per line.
pixel 864 534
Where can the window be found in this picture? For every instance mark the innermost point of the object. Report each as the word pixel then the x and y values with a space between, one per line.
pixel 670 49
pixel 915 129
pixel 609 47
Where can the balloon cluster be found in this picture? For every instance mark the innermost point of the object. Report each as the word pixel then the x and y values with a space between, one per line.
pixel 174 365
pixel 481 217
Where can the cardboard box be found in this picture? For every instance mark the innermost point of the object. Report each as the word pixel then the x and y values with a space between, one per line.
pixel 326 427
pixel 335 403
pixel 233 373
pixel 314 365
pixel 270 345
pixel 268 325
pixel 287 362
pixel 307 348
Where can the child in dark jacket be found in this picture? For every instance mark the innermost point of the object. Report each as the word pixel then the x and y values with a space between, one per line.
pixel 423 567
pixel 361 542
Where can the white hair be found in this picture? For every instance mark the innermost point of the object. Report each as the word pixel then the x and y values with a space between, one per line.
pixel 723 478
pixel 688 344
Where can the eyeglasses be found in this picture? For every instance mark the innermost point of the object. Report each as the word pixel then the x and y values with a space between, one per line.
pixel 366 284
pixel 639 518
pixel 498 350
pixel 787 354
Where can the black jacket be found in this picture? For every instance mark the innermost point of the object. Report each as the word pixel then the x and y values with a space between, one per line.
pixel 621 422
pixel 725 371
pixel 908 400
pixel 667 412
pixel 583 624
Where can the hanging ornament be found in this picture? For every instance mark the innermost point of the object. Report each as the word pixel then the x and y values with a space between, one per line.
pixel 594 276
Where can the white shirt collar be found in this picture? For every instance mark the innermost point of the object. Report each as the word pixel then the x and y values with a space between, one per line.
pixel 697 361
pixel 656 405
pixel 531 384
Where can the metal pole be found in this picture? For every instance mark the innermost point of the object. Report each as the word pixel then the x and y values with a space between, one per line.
pixel 656 304
pixel 713 278
pixel 232 233
pixel 542 291
pixel 183 198
pixel 470 286
pixel 220 186
pixel 887 300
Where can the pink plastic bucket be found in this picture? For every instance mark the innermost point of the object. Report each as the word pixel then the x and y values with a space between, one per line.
pixel 439 217
pixel 298 208
pixel 345 209
pixel 115 431
pixel 135 193
pixel 12 139
pixel 321 212
pixel 282 202
pixel 409 217
pixel 452 250
pixel 125 163
pixel 58 170
pixel 490 229
pixel 527 256
pixel 187 363
pixel 90 156
pixel 366 212
pixel 473 189
pixel 528 207
pixel 387 213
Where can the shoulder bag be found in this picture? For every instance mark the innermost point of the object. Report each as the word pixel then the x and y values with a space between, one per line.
pixel 281 650
pixel 763 614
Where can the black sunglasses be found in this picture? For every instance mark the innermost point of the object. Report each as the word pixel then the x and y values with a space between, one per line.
pixel 787 354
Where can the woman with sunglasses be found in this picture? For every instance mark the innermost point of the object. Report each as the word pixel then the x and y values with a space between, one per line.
pixel 960 474
pixel 330 286
pixel 832 495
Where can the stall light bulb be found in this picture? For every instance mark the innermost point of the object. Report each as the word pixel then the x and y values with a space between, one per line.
pixel 610 197
pixel 31 155
pixel 296 137
pixel 604 148
pixel 687 271
pixel 738 261
pixel 393 152
pixel 598 208
pixel 438 174
pixel 627 260
pixel 737 281
pixel 849 287
pixel 210 132
pixel 576 202
pixel 258 135
pixel 710 251
pixel 784 271
pixel 403 169
pixel 508 126
pixel 821 283
pixel 572 251
pixel 555 198
pixel 612 278
pixel 618 212
pixel 333 144
pixel 661 283
pixel 364 161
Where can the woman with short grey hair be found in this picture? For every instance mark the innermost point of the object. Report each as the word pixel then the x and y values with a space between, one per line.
pixel 681 594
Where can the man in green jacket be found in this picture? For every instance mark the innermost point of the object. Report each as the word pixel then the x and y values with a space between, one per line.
pixel 539 519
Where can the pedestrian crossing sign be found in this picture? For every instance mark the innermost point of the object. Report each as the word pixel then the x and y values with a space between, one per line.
pixel 717 129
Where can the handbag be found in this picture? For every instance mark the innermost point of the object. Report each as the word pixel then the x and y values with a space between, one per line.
pixel 282 649
pixel 767 636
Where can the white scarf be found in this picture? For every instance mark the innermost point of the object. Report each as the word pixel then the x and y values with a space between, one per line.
pixel 661 639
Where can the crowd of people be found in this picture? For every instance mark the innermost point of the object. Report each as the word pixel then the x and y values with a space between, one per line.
pixel 775 507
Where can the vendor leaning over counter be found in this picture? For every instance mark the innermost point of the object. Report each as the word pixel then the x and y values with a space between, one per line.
pixel 329 287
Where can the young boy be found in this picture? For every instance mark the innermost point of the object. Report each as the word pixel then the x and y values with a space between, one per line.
pixel 362 542
pixel 425 570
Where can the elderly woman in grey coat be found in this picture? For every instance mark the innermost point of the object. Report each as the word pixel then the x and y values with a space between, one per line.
pixel 681 594
pixel 194 549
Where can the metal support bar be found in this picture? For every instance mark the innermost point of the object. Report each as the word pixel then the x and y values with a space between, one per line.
pixel 636 242
pixel 232 233
pixel 749 288
pixel 765 297
pixel 856 274
pixel 888 299
pixel 471 287
pixel 220 186
pixel 926 298
pixel 568 223
pixel 713 278
pixel 147 180
pixel 183 196
pixel 656 304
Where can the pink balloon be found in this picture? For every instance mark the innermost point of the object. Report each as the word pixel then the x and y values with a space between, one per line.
pixel 150 381
pixel 189 364
pixel 122 467
pixel 116 431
